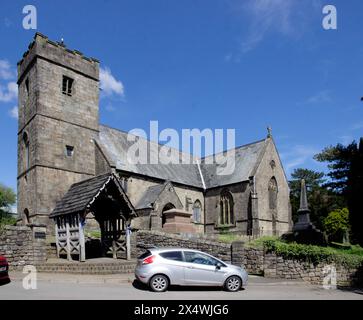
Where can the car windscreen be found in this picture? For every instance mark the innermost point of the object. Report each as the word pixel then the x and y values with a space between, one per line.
pixel 145 254
pixel 172 255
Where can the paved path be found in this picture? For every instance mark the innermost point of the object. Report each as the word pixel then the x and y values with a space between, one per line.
pixel 67 286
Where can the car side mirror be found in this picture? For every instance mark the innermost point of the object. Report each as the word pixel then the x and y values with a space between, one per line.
pixel 218 265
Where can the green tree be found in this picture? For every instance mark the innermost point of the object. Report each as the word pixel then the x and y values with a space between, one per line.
pixel 7 199
pixel 346 174
pixel 321 200
pixel 337 224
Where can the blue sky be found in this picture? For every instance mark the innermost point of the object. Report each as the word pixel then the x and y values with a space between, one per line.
pixel 206 64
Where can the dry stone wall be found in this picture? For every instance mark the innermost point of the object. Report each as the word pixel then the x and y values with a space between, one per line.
pixel 23 245
pixel 254 260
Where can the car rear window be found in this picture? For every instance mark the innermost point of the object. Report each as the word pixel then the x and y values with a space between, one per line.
pixel 172 255
pixel 145 254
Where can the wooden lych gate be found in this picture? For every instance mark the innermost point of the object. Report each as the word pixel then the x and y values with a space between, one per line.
pixel 104 197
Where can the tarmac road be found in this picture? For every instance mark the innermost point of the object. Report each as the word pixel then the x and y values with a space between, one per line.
pixel 122 287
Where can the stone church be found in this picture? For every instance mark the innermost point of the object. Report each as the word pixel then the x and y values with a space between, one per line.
pixel 71 166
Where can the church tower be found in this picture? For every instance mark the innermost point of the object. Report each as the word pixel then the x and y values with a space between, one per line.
pixel 58 122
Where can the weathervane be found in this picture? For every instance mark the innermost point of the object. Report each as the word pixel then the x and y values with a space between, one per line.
pixel 269 132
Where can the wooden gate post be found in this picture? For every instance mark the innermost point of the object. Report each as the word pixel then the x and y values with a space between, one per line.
pixel 82 247
pixel 128 243
pixel 57 236
pixel 68 239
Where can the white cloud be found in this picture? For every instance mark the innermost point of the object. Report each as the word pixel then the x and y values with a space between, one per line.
pixel 357 126
pixel 14 112
pixel 284 17
pixel 109 84
pixel 6 72
pixel 8 93
pixel 297 156
pixel 321 97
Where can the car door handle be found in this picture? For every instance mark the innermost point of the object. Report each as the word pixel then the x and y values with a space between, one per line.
pixel 190 267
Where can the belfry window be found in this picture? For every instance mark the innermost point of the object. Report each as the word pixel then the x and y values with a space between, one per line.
pixel 226 215
pixel 27 87
pixel 69 151
pixel 67 86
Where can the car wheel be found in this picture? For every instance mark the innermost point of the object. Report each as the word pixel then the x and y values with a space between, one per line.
pixel 233 284
pixel 159 283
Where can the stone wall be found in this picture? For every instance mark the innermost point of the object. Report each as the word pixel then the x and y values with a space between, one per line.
pixel 251 258
pixel 278 267
pixel 23 245
pixel 270 265
pixel 254 260
pixel 147 239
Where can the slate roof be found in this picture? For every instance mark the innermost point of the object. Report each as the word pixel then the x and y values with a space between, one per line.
pixel 80 194
pixel 150 196
pixel 246 158
pixel 115 145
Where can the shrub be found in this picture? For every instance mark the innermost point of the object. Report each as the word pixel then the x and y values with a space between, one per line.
pixel 336 224
pixel 313 254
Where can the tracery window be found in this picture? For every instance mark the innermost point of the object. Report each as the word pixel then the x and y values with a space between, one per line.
pixel 226 215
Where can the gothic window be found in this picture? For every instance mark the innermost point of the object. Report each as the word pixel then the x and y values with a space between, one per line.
pixel 67 85
pixel 26 150
pixel 197 208
pixel 226 216
pixel 272 193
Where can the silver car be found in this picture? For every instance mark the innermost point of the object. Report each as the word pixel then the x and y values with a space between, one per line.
pixel 161 267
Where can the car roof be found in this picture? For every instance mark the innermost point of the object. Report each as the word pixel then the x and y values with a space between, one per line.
pixel 162 249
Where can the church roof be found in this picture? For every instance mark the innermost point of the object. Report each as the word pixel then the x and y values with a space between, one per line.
pixel 206 175
pixel 115 145
pixel 246 159
pixel 150 196
pixel 80 195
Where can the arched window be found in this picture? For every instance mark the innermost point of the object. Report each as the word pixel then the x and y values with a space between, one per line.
pixel 26 150
pixel 226 216
pixel 197 208
pixel 26 216
pixel 272 193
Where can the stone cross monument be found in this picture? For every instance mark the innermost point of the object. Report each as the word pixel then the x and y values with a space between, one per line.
pixel 304 230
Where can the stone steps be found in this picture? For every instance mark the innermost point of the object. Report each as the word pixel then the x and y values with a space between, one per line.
pixel 88 268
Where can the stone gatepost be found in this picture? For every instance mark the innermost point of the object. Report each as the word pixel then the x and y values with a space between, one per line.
pixel 237 253
pixel 39 232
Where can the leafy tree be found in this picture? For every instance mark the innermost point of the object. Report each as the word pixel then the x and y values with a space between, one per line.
pixel 321 200
pixel 7 199
pixel 346 173
pixel 340 160
pixel 337 224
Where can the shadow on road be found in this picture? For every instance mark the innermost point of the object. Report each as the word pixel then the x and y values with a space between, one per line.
pixel 140 286
pixel 4 282
pixel 350 289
